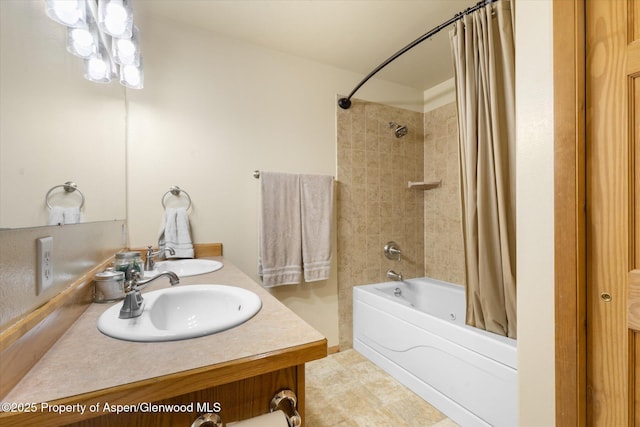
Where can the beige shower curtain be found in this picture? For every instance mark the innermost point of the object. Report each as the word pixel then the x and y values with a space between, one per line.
pixel 483 52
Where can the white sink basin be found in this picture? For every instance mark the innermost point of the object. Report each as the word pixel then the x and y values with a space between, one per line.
pixel 183 312
pixel 185 267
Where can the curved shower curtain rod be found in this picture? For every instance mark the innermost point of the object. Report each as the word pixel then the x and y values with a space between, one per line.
pixel 345 103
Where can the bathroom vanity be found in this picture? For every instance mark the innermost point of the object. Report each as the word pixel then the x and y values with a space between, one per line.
pixel 86 377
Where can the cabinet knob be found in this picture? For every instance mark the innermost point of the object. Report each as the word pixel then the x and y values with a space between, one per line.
pixel 606 297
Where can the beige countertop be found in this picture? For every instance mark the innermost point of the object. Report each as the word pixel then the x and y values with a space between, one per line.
pixel 84 360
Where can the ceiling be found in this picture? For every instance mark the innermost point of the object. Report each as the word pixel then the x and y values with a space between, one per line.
pixel 355 35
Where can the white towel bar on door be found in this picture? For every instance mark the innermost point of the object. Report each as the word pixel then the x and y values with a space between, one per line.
pixel 69 187
pixel 175 190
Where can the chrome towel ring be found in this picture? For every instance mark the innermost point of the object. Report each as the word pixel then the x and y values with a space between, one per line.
pixel 175 190
pixel 69 187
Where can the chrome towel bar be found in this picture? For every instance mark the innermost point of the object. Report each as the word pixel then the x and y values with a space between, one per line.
pixel 175 191
pixel 69 187
pixel 256 174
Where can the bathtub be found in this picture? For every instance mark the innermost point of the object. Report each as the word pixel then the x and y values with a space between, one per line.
pixel 414 329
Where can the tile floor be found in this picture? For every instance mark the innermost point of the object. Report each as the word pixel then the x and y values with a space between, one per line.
pixel 347 390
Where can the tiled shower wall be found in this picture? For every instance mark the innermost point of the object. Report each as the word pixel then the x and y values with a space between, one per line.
pixel 374 203
pixel 443 247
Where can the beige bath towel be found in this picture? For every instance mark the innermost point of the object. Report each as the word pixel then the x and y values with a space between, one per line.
pixel 316 198
pixel 280 239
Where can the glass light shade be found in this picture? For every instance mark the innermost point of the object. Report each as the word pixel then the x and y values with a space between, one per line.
pixel 132 76
pixel 83 41
pixel 127 51
pixel 97 67
pixel 97 70
pixel 80 42
pixel 71 13
pixel 115 17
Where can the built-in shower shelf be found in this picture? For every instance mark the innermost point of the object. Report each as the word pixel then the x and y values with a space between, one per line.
pixel 424 185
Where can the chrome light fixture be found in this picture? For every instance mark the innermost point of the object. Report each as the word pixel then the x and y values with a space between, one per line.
pixel 103 34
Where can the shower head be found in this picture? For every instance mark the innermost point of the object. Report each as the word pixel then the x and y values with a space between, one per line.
pixel 399 130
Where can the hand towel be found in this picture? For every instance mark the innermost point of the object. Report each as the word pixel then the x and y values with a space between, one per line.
pixel 59 215
pixel 56 215
pixel 72 215
pixel 280 238
pixel 175 233
pixel 316 200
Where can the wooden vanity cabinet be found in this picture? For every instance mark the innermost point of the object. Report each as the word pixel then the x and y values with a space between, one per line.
pixel 236 401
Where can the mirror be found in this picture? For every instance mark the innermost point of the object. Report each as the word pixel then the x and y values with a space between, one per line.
pixel 55 126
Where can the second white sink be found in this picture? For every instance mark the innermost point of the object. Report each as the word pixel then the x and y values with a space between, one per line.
pixel 186 267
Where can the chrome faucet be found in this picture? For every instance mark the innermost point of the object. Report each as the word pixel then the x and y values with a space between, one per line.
pixel 393 275
pixel 149 263
pixel 133 304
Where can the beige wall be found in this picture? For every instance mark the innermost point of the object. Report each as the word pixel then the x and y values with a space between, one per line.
pixel 534 210
pixel 374 204
pixel 443 243
pixel 212 111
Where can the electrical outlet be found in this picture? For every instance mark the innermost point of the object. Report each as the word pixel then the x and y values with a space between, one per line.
pixel 45 264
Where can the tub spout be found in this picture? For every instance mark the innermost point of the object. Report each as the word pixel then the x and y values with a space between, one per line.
pixel 393 275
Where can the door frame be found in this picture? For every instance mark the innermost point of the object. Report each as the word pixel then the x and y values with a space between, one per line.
pixel 570 216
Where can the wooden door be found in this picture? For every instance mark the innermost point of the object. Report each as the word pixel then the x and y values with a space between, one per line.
pixel 613 214
pixel 633 103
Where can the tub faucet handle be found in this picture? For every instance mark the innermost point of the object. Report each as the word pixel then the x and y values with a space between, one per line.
pixel 392 251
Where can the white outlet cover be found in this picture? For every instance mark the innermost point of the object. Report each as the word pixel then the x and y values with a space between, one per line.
pixel 45 264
